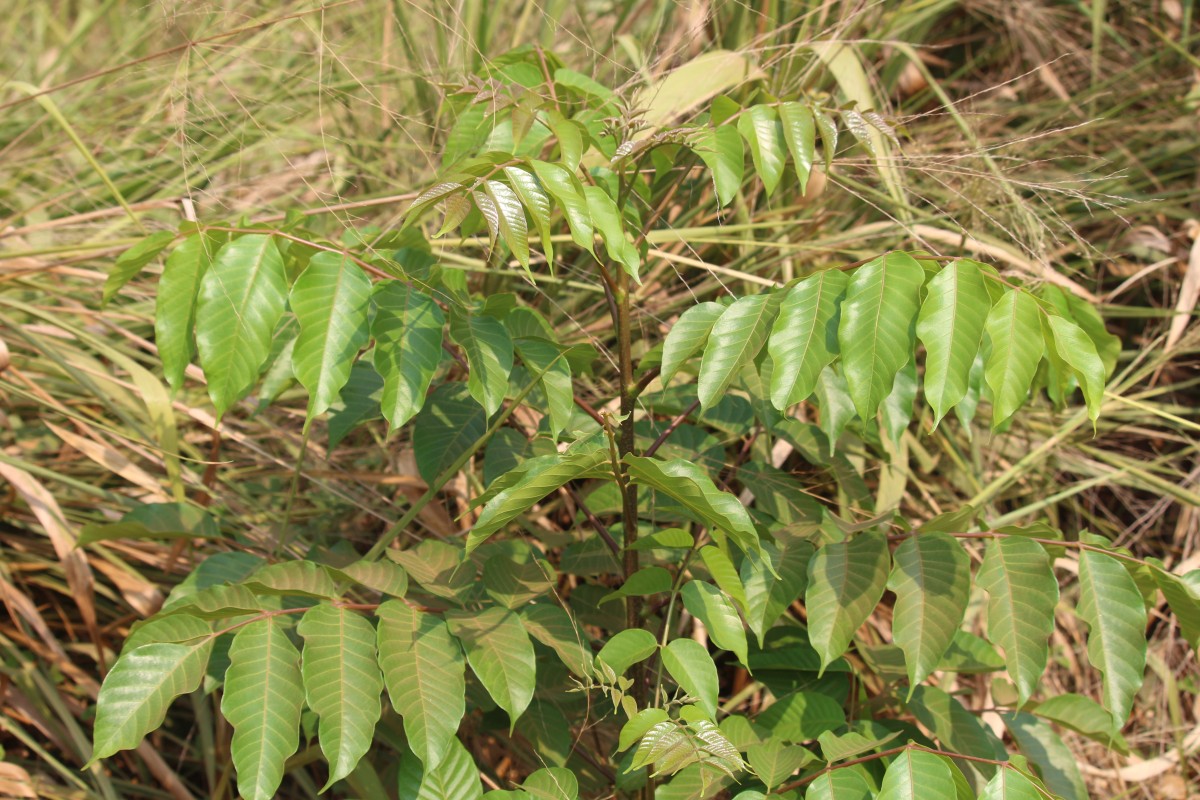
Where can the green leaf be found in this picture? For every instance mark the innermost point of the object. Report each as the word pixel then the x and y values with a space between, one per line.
pixel 721 151
pixel 450 424
pixel 140 687
pixel 510 219
pixel 242 297
pixel 1014 329
pixel 427 198
pixel 802 716
pixel 407 329
pixel 173 628
pixel 688 484
pixel 155 521
pixel 358 403
pixel 607 219
pixel 839 784
pixel 216 602
pixel 950 326
pixel 804 339
pixel 829 135
pixel 330 301
pixel 489 352
pixel 438 567
pixel 931 576
pixel 264 694
pixel 513 584
pixel 693 669
pixel 1022 593
pixel 1183 597
pixel 1008 784
pixel 708 604
pixel 800 130
pixel 342 684
pixel 1111 605
pixel 570 142
pixel 1108 347
pixel 1076 349
pixel 175 305
pixel 687 337
pixel 850 744
pixel 382 576
pixel 876 333
pixel 500 653
pixel 292 578
pixel 724 573
pixel 131 262
pixel 1085 716
pixel 553 627
pixel 768 597
pixel 553 783
pixel 636 728
pixel 540 476
pixel 736 338
pixel 568 193
pixel 845 582
pixel 646 581
pixel 761 129
pixel 454 778
pixel 626 648
pixel 425 674
pixel 917 775
pixel 1054 760
pixel 955 727
pixel 536 203
pixel 774 762
pixel 546 359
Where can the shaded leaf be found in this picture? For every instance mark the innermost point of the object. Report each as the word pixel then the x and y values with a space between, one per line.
pixel 407 328
pixel 1022 592
pixel 1111 605
pixel 500 654
pixel 489 352
pixel 845 582
pixel 931 576
pixel 454 778
pixel 694 490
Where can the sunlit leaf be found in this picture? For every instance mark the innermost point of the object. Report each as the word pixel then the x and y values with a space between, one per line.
pixel 845 582
pixel 342 684
pixel 264 694
pixel 804 339
pixel 500 654
pixel 1111 605
pixel 735 341
pixel 931 576
pixel 950 326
